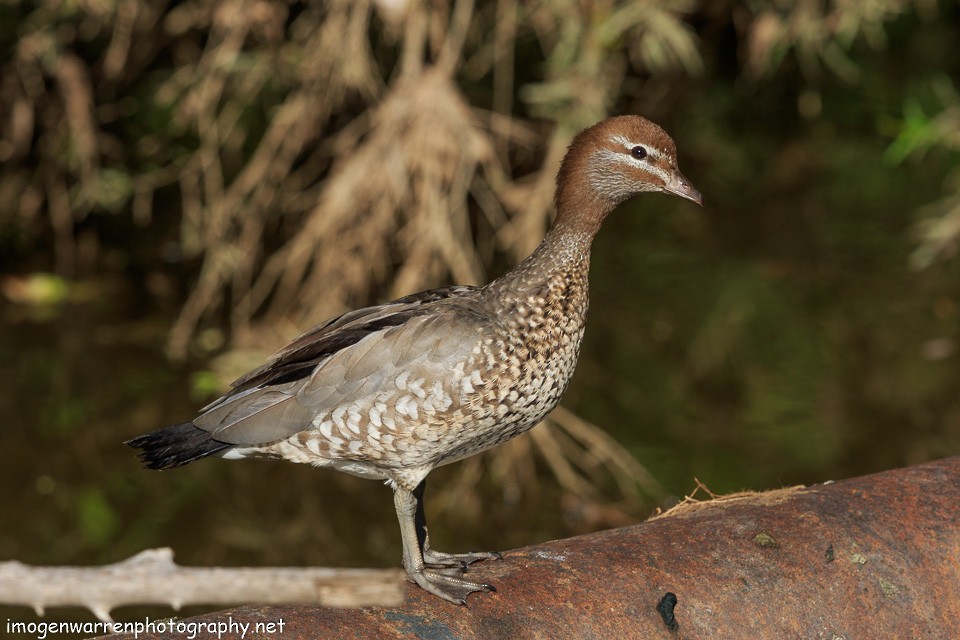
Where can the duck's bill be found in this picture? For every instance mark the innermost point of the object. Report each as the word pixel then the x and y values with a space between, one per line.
pixel 678 185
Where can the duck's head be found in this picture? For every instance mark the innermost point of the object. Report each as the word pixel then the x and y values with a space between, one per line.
pixel 613 161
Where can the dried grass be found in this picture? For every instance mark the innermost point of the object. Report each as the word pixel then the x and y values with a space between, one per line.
pixel 691 504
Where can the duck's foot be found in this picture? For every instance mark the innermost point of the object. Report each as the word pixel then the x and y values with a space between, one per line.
pixel 448 583
pixel 439 559
pixel 436 572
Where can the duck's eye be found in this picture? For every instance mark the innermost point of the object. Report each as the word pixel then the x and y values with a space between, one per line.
pixel 638 152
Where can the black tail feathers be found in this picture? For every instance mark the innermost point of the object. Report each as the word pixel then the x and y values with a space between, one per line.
pixel 175 446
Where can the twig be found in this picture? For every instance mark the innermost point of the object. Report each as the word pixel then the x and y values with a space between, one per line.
pixel 151 577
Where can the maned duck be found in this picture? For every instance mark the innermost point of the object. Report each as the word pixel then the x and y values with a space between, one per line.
pixel 392 391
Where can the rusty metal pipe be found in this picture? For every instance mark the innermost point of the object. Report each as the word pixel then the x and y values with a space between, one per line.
pixel 871 557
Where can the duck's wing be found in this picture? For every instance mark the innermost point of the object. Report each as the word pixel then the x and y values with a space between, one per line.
pixel 302 355
pixel 350 355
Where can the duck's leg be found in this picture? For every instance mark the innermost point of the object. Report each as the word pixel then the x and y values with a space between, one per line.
pixel 439 558
pixel 445 582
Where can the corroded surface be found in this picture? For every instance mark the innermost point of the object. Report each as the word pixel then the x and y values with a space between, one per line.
pixel 871 557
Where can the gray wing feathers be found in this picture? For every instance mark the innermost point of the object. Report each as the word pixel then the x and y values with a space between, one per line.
pixel 310 348
pixel 263 415
pixel 428 344
pixel 425 345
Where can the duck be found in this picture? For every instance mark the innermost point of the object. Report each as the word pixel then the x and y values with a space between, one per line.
pixel 391 392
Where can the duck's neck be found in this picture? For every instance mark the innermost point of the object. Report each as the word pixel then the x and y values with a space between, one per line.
pixel 562 259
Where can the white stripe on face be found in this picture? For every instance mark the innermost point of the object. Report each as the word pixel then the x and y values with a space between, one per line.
pixel 656 154
pixel 613 157
pixel 606 158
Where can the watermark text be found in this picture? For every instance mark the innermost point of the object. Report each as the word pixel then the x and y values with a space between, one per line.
pixel 188 629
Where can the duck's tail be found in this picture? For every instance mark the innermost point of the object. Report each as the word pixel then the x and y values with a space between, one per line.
pixel 176 446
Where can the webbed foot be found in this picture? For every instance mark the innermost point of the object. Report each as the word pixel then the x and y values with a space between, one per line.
pixel 440 559
pixel 449 584
pixel 439 573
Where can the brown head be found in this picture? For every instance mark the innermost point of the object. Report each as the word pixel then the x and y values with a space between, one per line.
pixel 613 161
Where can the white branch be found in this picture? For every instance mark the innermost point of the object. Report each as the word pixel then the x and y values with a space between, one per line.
pixel 151 577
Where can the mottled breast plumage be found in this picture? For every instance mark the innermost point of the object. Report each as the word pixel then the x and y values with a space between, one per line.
pixel 467 374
